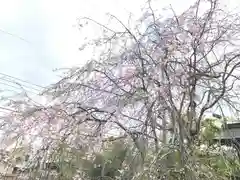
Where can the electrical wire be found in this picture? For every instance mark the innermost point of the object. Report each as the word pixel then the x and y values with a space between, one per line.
pixel 18 88
pixel 8 81
pixel 39 86
pixel 7 109
pixel 13 35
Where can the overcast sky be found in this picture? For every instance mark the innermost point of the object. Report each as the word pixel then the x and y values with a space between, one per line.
pixel 50 35
pixel 44 34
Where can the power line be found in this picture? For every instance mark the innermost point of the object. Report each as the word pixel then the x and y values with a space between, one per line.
pixel 8 81
pixel 3 108
pixel 39 86
pixel 17 87
pixel 14 35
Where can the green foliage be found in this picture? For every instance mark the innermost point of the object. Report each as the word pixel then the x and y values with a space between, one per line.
pixel 209 129
pixel 108 164
pixel 121 160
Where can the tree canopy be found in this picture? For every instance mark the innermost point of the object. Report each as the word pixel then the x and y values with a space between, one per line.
pixel 149 92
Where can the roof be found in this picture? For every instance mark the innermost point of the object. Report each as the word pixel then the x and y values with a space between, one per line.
pixel 230 133
pixel 233 125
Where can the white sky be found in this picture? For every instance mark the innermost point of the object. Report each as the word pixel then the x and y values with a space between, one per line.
pixel 53 39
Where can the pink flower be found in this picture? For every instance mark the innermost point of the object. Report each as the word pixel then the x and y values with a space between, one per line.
pixel 127 72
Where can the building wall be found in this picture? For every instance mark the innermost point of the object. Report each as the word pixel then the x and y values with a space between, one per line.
pixel 230 133
pixel 4 169
pixel 6 172
pixel 10 177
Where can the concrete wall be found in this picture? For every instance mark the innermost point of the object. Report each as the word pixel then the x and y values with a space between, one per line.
pixel 10 177
pixel 230 133
pixel 6 172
